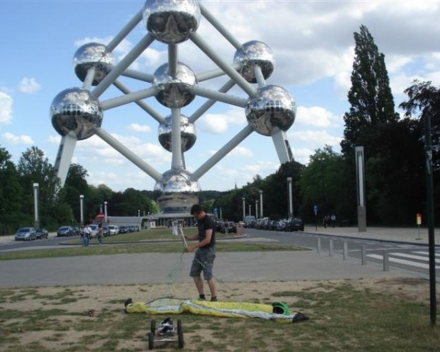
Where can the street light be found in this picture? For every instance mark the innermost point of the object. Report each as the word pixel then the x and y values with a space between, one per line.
pixel 261 203
pixel 139 213
pixel 36 220
pixel 249 209
pixel 289 182
pixel 105 212
pixel 256 209
pixel 244 207
pixel 81 210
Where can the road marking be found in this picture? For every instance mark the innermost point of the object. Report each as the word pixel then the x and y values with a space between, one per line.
pixel 418 257
pixel 401 261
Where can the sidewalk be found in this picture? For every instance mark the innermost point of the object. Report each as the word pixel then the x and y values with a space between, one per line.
pixel 404 234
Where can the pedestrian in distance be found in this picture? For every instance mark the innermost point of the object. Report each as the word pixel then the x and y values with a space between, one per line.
pixel 87 235
pixel 205 252
pixel 82 235
pixel 100 234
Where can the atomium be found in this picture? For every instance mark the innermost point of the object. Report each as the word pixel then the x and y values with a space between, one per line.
pixel 75 110
pixel 78 113
pixel 187 134
pixel 175 91
pixel 93 55
pixel 171 21
pixel 273 107
pixel 254 53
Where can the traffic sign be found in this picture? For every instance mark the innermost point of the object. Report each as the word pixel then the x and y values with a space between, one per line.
pixel 315 209
pixel 100 216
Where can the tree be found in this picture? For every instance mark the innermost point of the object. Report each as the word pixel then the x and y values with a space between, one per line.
pixel 34 167
pixel 423 101
pixel 10 194
pixel 370 95
pixel 76 185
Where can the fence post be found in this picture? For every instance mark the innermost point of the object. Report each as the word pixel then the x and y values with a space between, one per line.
pixel 345 250
pixel 318 244
pixel 364 255
pixel 386 262
pixel 330 251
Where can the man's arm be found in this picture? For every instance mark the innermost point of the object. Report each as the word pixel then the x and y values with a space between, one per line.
pixel 205 241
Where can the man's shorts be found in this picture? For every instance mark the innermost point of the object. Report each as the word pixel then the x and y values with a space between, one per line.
pixel 203 261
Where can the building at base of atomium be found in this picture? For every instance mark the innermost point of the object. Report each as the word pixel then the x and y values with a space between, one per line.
pixel 77 113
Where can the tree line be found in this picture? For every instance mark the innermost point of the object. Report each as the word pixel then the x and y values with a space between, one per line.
pixel 395 167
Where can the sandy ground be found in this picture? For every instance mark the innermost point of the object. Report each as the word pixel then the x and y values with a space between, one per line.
pixel 80 299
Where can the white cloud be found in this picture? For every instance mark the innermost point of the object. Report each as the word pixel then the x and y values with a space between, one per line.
pixel 13 139
pixel 29 86
pixel 314 139
pixel 316 116
pixel 6 111
pixel 134 127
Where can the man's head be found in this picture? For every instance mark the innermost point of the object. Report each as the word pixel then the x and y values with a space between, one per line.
pixel 196 210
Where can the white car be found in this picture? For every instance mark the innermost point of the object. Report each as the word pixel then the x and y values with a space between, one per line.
pixel 113 230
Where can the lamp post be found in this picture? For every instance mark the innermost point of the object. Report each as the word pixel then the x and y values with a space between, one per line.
pixel 244 207
pixel 261 203
pixel 360 178
pixel 249 209
pixel 105 212
pixel 289 182
pixel 81 210
pixel 139 213
pixel 36 220
pixel 256 209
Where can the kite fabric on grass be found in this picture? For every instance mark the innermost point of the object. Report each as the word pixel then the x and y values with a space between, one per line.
pixel 217 309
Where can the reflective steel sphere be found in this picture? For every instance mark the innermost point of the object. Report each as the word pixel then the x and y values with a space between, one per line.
pixel 171 21
pixel 254 53
pixel 175 92
pixel 179 192
pixel 187 134
pixel 75 110
pixel 93 55
pixel 273 107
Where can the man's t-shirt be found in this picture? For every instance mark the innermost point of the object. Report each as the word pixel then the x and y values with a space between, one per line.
pixel 206 224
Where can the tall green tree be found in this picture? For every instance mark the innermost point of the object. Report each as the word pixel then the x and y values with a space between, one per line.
pixel 423 101
pixel 34 167
pixel 10 194
pixel 76 185
pixel 370 95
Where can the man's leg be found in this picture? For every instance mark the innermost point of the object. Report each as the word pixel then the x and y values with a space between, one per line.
pixel 199 285
pixel 213 287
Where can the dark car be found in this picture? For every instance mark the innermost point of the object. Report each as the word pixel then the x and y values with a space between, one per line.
pixel 65 231
pixel 295 224
pixel 228 227
pixel 123 229
pixel 41 233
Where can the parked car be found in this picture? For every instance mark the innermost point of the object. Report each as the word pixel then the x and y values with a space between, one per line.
pixel 295 224
pixel 26 234
pixel 113 230
pixel 41 233
pixel 123 229
pixel 228 227
pixel 65 231
pixel 76 230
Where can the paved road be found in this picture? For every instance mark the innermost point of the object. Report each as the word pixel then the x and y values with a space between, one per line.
pixel 154 267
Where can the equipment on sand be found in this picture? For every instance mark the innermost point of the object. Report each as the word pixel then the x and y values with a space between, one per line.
pixel 165 332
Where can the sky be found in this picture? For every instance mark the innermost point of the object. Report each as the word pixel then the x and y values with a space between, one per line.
pixel 313 47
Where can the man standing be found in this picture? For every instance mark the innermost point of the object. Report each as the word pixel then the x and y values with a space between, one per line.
pixel 205 254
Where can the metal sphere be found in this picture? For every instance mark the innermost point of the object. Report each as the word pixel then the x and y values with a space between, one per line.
pixel 179 192
pixel 273 107
pixel 187 134
pixel 254 53
pixel 76 110
pixel 171 21
pixel 93 55
pixel 175 92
